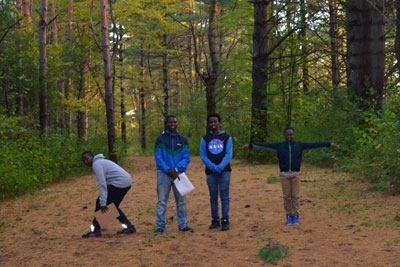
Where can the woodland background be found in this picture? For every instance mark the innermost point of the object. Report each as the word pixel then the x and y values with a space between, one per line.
pixel 102 75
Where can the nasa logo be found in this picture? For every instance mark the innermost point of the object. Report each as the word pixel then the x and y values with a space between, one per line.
pixel 216 146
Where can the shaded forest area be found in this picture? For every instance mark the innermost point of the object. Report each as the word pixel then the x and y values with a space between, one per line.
pixel 102 75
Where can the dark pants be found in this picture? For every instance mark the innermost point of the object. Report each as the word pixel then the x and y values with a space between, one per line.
pixel 115 195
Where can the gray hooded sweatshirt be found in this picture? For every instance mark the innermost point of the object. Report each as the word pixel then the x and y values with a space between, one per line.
pixel 108 172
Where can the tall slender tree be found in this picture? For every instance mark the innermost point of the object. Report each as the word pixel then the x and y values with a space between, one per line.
pixel 109 94
pixel 334 39
pixel 43 96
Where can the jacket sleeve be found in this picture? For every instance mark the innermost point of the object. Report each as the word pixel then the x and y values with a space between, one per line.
pixel 228 156
pixel 203 156
pixel 101 179
pixel 264 146
pixel 184 159
pixel 158 156
pixel 308 146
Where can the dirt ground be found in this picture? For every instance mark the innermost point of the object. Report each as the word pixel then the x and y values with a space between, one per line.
pixel 342 223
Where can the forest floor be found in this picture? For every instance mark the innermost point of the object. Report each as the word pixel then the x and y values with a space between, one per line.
pixel 342 223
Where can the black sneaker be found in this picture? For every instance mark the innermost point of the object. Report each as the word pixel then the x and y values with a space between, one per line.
pixel 225 225
pixel 159 231
pixel 129 230
pixel 92 235
pixel 186 229
pixel 214 224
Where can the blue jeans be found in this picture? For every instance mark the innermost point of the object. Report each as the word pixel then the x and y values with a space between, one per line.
pixel 219 182
pixel 164 184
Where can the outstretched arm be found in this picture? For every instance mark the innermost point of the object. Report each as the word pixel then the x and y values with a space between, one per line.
pixel 264 146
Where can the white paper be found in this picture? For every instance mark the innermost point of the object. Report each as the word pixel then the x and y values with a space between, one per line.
pixel 183 184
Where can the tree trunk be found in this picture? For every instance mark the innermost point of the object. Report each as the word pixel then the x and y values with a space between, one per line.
pixel 43 97
pixel 83 114
pixel 304 45
pixel 59 83
pixel 366 47
pixel 258 131
pixel 122 80
pixel 68 81
pixel 20 98
pixel 107 79
pixel 211 80
pixel 397 37
pixel 27 10
pixel 142 100
pixel 165 78
pixel 334 37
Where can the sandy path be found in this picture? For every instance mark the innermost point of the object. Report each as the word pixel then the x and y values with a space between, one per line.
pixel 342 223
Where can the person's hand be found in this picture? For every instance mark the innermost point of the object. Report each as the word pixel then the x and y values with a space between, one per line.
pixel 172 173
pixel 246 146
pixel 104 209
pixel 334 145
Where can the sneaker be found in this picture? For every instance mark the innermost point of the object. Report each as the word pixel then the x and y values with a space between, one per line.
pixel 289 219
pixel 186 229
pixel 92 235
pixel 225 225
pixel 159 231
pixel 214 224
pixel 129 230
pixel 295 219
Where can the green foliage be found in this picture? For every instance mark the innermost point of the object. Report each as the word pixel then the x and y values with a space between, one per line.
pixel 28 162
pixel 272 253
pixel 376 151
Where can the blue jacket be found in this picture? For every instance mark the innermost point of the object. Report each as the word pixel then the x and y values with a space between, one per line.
pixel 289 154
pixel 208 162
pixel 171 151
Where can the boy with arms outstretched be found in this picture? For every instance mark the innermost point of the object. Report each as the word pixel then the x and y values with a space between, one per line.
pixel 289 155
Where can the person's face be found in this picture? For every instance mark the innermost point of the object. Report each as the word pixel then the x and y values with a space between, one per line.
pixel 289 135
pixel 213 123
pixel 87 160
pixel 172 124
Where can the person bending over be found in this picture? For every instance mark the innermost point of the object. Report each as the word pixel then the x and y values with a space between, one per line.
pixel 114 182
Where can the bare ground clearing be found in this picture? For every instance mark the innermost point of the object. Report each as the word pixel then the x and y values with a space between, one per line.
pixel 342 223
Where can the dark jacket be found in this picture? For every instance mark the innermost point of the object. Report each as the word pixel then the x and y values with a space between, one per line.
pixel 216 152
pixel 289 154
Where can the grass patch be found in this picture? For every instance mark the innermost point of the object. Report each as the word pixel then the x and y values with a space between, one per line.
pixel 272 253
pixel 273 179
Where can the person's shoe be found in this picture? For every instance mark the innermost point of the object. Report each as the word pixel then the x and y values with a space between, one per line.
pixel 186 229
pixel 225 225
pixel 289 219
pixel 295 219
pixel 214 224
pixel 129 230
pixel 92 235
pixel 159 231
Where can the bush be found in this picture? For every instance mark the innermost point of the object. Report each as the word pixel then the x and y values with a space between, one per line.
pixel 28 162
